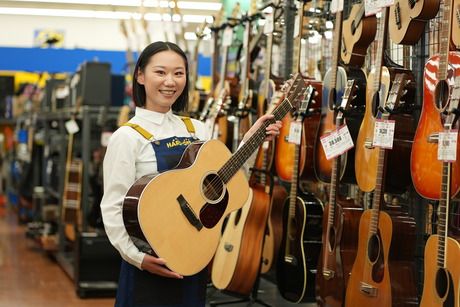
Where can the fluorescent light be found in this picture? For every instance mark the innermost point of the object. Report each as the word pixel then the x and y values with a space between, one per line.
pixel 189 5
pixel 97 14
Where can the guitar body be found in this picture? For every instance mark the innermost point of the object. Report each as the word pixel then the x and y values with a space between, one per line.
pixel 274 233
pixel 408 18
pixel 425 167
pixel 339 251
pixel 159 224
pixel 241 245
pixel 299 250
pixel 456 24
pixel 398 158
pixel 436 277
pixel 371 273
pixel 357 38
pixel 322 166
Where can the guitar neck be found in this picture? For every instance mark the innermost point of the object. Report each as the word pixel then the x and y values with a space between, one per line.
pixel 443 217
pixel 381 44
pixel 444 43
pixel 334 180
pixel 336 49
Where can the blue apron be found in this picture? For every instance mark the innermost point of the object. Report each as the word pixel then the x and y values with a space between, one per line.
pixel 137 288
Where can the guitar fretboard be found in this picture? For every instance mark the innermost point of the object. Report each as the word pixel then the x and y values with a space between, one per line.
pixel 381 38
pixel 443 213
pixel 444 39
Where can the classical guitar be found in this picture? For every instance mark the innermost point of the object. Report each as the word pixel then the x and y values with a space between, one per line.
pixel 369 283
pixel 284 150
pixel 366 155
pixel 441 270
pixel 340 231
pixel 182 224
pixel 439 76
pixel 407 19
pixel 334 83
pixel 358 33
pixel 301 241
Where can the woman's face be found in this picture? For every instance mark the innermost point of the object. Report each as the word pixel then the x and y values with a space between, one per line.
pixel 164 79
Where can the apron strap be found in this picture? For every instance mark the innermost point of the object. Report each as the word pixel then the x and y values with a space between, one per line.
pixel 147 135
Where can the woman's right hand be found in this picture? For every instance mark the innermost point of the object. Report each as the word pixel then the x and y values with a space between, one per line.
pixel 156 266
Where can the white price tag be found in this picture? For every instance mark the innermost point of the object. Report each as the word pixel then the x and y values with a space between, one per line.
pixel 269 26
pixel 295 133
pixel 105 136
pixel 336 6
pixel 337 142
pixel 265 145
pixel 71 126
pixel 371 7
pixel 447 146
pixel 228 37
pixel 384 131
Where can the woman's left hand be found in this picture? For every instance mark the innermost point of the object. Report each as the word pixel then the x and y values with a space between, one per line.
pixel 273 130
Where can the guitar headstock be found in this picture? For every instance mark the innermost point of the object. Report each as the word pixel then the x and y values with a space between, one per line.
pixel 308 95
pixel 123 28
pixel 348 95
pixel 200 31
pixel 396 91
pixel 232 20
pixel 295 90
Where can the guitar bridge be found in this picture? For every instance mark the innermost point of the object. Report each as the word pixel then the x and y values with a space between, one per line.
pixel 368 144
pixel 433 138
pixel 368 290
pixel 328 274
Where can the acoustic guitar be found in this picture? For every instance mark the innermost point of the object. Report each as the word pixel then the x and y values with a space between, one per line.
pixel 372 282
pixel 334 83
pixel 439 77
pixel 407 19
pixel 366 155
pixel 358 33
pixel 441 270
pixel 301 241
pixel 340 231
pixel 182 224
pixel 193 93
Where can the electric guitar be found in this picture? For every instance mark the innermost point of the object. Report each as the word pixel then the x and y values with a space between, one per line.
pixel 358 33
pixel 441 270
pixel 439 77
pixel 301 241
pixel 408 18
pixel 183 223
pixel 340 231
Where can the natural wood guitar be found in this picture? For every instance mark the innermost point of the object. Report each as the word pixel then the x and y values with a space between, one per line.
pixel 407 19
pixel 182 224
pixel 358 33
pixel 340 217
pixel 366 155
pixel 439 76
pixel 456 25
pixel 441 285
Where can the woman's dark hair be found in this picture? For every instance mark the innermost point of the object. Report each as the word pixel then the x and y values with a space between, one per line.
pixel 144 58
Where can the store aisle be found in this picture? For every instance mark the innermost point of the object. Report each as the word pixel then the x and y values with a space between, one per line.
pixel 28 277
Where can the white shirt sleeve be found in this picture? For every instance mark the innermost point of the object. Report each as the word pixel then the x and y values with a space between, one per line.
pixel 119 175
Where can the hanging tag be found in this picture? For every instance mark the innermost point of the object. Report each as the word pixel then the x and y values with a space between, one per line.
pixel 295 133
pixel 228 37
pixel 265 145
pixel 268 27
pixel 336 6
pixel 105 136
pixel 384 131
pixel 336 142
pixel 71 126
pixel 371 7
pixel 447 146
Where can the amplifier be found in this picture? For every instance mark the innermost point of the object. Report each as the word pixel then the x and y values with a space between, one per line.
pixel 95 83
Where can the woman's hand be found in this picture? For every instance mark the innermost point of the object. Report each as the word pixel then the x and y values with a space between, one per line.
pixel 273 130
pixel 156 266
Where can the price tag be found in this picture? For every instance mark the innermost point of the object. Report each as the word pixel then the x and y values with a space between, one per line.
pixel 337 142
pixel 265 145
pixel 371 7
pixel 384 131
pixel 72 126
pixel 295 133
pixel 447 146
pixel 336 6
pixel 269 26
pixel 228 37
pixel 105 136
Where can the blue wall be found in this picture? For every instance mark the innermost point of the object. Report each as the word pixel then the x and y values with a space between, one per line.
pixel 67 60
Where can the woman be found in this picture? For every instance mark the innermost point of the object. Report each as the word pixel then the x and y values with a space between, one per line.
pixel 160 86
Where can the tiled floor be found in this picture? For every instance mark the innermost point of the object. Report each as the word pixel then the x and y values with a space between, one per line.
pixel 28 277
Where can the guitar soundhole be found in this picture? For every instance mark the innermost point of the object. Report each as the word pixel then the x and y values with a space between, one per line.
pixel 213 188
pixel 442 283
pixel 373 248
pixel 331 239
pixel 375 103
pixel 441 94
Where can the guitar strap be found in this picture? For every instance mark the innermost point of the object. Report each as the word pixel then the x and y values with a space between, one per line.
pixel 147 135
